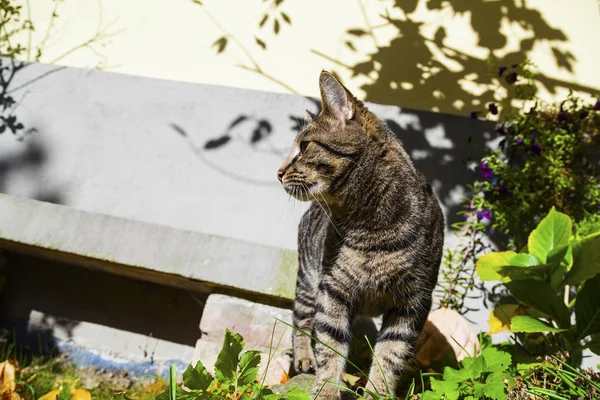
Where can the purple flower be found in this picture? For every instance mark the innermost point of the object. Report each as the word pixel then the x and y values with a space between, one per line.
pixel 501 71
pixel 511 78
pixel 486 214
pixel 536 149
pixel 491 231
pixel 486 170
pixel 493 108
pixel 470 207
pixel 502 143
pixel 597 105
pixel 473 114
pixel 465 216
pixel 519 140
pixel 533 135
pixel 502 189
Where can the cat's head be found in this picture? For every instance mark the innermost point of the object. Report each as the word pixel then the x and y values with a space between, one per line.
pixel 330 145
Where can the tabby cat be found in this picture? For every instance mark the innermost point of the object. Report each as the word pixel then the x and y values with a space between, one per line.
pixel 370 244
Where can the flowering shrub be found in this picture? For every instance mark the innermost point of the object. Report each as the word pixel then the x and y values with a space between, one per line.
pixel 546 156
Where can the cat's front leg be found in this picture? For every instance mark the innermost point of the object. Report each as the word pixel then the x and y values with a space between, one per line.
pixel 395 343
pixel 332 329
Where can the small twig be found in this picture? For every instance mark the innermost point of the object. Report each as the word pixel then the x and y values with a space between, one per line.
pixel 30 29
pixel 255 66
pixel 270 77
pixel 53 17
pixel 37 78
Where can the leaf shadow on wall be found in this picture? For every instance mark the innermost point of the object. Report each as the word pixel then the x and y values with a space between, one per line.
pixel 426 73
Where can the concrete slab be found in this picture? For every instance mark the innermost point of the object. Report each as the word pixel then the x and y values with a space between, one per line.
pixel 148 251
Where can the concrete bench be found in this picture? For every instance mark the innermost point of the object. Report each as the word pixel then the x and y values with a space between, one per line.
pixel 233 274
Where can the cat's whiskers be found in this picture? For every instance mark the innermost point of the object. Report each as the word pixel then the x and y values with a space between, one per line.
pixel 326 213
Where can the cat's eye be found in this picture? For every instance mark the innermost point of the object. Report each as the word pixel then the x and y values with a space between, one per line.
pixel 303 146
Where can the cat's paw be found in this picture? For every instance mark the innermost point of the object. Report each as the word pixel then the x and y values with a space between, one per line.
pixel 305 365
pixel 304 361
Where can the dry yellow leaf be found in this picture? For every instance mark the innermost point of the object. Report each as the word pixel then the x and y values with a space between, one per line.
pixel 501 315
pixel 154 389
pixel 76 394
pixel 8 375
pixel 284 378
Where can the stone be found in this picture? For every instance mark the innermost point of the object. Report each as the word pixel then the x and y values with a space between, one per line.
pixel 258 324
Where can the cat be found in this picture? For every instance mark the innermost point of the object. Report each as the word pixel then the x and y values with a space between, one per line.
pixel 370 243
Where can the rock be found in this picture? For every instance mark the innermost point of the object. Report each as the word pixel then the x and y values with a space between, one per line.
pixel 254 322
pixel 303 382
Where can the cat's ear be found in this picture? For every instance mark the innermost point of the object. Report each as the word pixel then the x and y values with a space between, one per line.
pixel 310 117
pixel 335 97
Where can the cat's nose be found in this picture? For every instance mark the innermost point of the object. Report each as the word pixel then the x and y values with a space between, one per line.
pixel 280 174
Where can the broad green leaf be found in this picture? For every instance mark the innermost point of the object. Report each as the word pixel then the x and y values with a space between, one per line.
pixel 494 387
pixel 473 367
pixel 540 295
pixel 587 308
pixel 552 232
pixel 525 323
pixel 228 358
pixel 248 367
pixel 297 394
pixel 457 375
pixel 429 395
pixel 197 378
pixel 586 259
pixel 447 388
pixel 594 345
pixel 489 265
pixel 496 360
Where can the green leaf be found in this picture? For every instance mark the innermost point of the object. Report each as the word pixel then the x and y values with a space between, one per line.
pixel 494 386
pixel 429 395
pixel 447 388
pixel 586 259
pixel 221 44
pixel 197 2
pixel 297 394
pixel 541 296
pixel 489 265
pixel 197 378
pixel 587 308
pixel 553 231
pixel 260 43
pixel 276 26
pixel 248 367
pixel 473 367
pixel 228 358
pixel 496 360
pixel 525 323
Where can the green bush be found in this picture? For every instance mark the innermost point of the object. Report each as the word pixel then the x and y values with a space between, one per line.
pixel 556 276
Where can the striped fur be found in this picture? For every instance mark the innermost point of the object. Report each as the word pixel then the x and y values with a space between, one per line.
pixel 370 244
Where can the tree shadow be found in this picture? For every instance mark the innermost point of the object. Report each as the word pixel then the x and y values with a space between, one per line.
pixel 425 73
